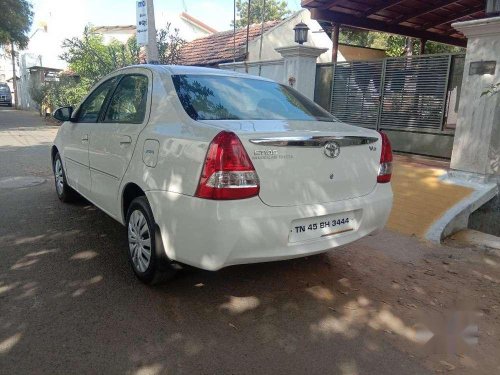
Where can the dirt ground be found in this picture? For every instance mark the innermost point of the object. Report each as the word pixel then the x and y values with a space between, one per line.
pixel 387 304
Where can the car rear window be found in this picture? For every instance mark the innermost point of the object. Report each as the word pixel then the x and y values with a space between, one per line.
pixel 212 97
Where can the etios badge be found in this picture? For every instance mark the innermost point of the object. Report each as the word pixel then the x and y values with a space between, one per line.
pixel 332 149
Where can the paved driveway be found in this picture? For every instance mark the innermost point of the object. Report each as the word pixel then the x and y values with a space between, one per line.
pixel 70 304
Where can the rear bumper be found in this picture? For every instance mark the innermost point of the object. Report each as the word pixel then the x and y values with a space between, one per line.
pixel 215 234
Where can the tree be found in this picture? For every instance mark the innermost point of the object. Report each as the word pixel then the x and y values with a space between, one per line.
pixel 169 45
pixel 16 18
pixel 91 58
pixel 355 37
pixel 274 10
pixel 66 91
pixel 394 45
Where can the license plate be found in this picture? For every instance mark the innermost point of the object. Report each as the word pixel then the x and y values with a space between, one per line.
pixel 322 226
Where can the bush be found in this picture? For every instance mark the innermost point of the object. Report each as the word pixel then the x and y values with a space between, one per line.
pixel 65 92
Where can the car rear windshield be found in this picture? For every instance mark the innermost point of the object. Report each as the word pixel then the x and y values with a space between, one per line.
pixel 212 97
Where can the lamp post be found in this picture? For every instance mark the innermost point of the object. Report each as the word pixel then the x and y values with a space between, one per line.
pixel 492 8
pixel 301 30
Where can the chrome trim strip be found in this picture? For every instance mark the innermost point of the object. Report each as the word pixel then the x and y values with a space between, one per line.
pixel 314 141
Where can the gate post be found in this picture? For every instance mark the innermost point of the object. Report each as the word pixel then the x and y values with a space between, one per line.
pixel 381 96
pixel 300 67
pixel 476 147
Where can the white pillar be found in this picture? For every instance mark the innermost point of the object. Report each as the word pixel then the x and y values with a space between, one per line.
pixel 300 67
pixel 476 147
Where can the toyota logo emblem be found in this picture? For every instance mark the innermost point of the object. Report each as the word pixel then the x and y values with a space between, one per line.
pixel 332 149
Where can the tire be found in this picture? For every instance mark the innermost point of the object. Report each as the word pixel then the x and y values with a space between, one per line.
pixel 64 192
pixel 144 240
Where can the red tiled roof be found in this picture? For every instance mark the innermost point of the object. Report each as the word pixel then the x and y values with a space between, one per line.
pixel 218 48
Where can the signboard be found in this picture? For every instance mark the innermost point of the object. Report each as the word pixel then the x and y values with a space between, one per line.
pixel 142 23
pixel 482 67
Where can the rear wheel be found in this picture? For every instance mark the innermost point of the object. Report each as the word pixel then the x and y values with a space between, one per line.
pixel 64 192
pixel 146 255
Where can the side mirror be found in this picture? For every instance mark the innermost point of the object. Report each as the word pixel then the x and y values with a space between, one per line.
pixel 63 113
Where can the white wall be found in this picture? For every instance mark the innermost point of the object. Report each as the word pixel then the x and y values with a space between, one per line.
pixel 121 36
pixel 272 69
pixel 283 35
pixel 187 31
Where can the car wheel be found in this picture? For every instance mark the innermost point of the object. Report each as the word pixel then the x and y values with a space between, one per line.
pixel 146 255
pixel 64 192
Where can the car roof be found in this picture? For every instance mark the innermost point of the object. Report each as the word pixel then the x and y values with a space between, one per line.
pixel 181 69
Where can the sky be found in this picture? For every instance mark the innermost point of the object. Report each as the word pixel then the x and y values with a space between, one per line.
pixel 67 18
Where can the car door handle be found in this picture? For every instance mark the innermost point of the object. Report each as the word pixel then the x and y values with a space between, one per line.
pixel 125 139
pixel 85 138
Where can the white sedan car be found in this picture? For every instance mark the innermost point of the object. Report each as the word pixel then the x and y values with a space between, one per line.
pixel 213 168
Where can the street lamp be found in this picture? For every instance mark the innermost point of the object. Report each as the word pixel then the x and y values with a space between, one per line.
pixel 301 30
pixel 492 8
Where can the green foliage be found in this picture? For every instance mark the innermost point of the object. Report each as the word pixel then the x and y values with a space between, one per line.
pixel 492 89
pixel 395 45
pixel 356 37
pixel 66 91
pixel 91 59
pixel 434 47
pixel 16 18
pixel 169 45
pixel 274 10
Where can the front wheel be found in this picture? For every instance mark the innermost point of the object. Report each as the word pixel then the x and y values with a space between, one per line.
pixel 146 255
pixel 64 192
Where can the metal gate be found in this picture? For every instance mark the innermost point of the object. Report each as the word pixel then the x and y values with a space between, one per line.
pixel 356 92
pixel 393 93
pixel 413 99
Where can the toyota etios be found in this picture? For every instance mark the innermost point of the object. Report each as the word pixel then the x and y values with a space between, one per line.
pixel 213 168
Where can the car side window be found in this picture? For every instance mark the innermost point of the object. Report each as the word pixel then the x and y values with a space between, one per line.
pixel 128 104
pixel 90 109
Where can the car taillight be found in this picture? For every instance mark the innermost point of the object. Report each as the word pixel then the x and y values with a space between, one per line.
pixel 228 172
pixel 385 169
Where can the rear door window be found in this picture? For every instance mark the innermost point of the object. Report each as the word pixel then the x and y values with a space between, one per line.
pixel 128 104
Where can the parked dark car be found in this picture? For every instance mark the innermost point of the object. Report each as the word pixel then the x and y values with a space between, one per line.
pixel 5 95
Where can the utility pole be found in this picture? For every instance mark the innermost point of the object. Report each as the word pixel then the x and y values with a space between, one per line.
pixel 14 78
pixel 152 47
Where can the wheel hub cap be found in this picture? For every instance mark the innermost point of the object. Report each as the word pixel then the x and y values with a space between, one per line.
pixel 58 172
pixel 139 241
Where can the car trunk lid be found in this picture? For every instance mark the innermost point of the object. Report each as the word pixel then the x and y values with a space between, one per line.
pixel 311 163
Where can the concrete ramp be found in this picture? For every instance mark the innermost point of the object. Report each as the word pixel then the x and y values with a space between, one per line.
pixel 421 196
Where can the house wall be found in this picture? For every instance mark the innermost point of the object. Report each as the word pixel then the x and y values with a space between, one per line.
pixel 120 35
pixel 5 66
pixel 187 30
pixel 272 69
pixel 283 35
